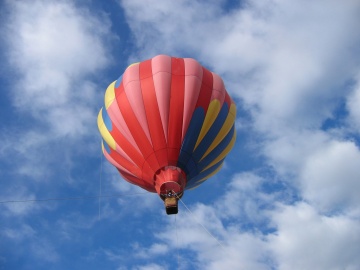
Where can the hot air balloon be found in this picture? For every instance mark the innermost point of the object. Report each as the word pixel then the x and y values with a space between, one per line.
pixel 167 126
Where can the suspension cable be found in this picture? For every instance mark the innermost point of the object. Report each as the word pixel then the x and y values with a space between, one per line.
pixel 71 198
pixel 198 222
pixel 177 244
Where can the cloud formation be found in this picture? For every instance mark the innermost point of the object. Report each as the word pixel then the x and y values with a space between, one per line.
pixel 293 70
pixel 55 48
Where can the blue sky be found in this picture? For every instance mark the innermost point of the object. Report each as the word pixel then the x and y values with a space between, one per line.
pixel 288 196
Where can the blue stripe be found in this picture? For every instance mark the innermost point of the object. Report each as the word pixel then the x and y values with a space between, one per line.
pixel 191 168
pixel 106 146
pixel 188 144
pixel 118 81
pixel 107 120
pixel 191 182
pixel 212 133
pixel 217 150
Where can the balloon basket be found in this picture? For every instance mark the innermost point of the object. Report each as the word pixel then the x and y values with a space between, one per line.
pixel 171 205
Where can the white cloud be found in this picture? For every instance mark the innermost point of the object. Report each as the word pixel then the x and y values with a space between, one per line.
pixel 242 251
pixel 156 250
pixel 297 236
pixel 132 200
pixel 238 250
pixel 27 240
pixel 152 23
pixel 244 198
pixel 19 209
pixel 45 250
pixel 113 255
pixel 54 47
pixel 323 169
pixel 331 177
pixel 352 103
pixel 19 234
pixel 24 153
pixel 223 243
pixel 287 153
pixel 307 240
pixel 288 63
pixel 151 266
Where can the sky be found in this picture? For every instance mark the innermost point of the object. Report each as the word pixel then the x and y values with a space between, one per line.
pixel 288 196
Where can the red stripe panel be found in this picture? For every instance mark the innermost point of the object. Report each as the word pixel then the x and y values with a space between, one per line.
pixel 227 99
pixel 125 163
pixel 176 108
pixel 152 112
pixel 133 154
pixel 135 128
pixel 206 90
pixel 173 155
pixel 131 179
pixel 151 165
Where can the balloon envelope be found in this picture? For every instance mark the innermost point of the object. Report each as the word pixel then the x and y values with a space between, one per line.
pixel 167 124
